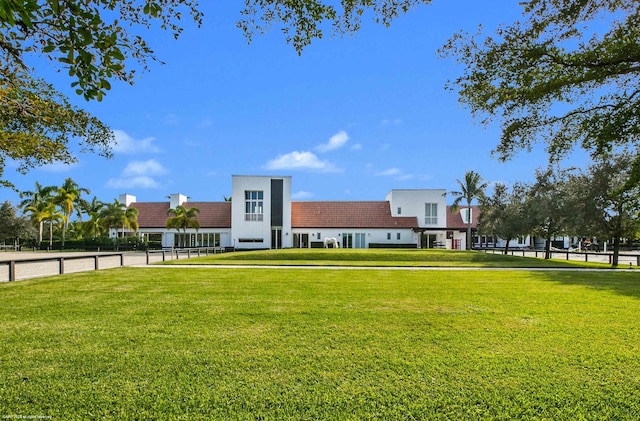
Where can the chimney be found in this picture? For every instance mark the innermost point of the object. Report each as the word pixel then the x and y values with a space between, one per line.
pixel 127 199
pixel 177 199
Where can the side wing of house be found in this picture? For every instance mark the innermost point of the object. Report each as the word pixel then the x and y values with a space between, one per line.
pixel 214 219
pixel 354 224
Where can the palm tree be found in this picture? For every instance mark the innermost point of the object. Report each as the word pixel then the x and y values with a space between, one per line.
pixel 118 215
pixel 94 210
pixel 67 196
pixel 471 188
pixel 183 218
pixel 51 214
pixel 38 212
pixel 36 202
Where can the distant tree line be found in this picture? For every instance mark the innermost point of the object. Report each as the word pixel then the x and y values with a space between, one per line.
pixel 601 201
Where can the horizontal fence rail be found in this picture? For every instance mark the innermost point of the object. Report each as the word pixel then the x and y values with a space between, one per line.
pixel 51 264
pixel 185 252
pixel 602 257
pixel 40 264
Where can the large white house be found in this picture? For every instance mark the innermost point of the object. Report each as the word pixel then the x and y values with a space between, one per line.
pixel 261 215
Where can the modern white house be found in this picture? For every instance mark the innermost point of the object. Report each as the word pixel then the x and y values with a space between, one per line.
pixel 261 215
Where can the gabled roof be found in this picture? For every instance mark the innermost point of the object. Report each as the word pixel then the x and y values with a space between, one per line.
pixel 212 214
pixel 454 220
pixel 347 215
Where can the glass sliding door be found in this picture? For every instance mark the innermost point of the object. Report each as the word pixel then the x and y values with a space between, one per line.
pixel 360 240
pixel 347 240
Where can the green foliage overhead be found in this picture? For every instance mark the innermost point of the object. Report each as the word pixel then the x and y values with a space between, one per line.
pixel 567 75
pixel 91 39
pixel 38 125
pixel 305 20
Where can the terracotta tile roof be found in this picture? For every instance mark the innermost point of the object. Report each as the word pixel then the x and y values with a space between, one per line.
pixel 212 214
pixel 454 220
pixel 347 215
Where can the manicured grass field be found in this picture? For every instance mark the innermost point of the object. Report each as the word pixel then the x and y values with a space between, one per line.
pixel 198 343
pixel 379 257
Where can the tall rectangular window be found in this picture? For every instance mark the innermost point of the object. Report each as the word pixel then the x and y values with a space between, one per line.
pixel 431 213
pixel 253 205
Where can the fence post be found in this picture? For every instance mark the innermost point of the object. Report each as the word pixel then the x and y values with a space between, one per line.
pixel 147 257
pixel 188 253
pixel 638 260
pixel 586 256
pixel 61 264
pixel 121 259
pixel 96 265
pixel 567 255
pixel 164 255
pixel 610 259
pixel 12 270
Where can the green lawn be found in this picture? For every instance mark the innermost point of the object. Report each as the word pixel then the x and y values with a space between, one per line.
pixel 202 343
pixel 379 257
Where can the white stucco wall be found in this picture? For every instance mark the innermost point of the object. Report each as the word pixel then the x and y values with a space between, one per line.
pixel 371 235
pixel 258 230
pixel 412 203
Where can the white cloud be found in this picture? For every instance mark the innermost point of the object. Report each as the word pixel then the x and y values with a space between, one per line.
pixel 300 161
pixel 396 173
pixel 390 172
pixel 356 147
pixel 142 182
pixel 57 167
pixel 138 174
pixel 336 141
pixel 143 168
pixel 302 195
pixel 127 144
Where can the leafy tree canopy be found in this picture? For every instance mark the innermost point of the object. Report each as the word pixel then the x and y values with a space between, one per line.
pixel 91 39
pixel 567 75
pixel 304 20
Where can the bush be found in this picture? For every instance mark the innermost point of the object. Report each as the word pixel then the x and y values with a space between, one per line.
pixel 392 246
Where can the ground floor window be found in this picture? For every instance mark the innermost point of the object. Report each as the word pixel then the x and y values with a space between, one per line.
pixel 209 239
pixel 203 239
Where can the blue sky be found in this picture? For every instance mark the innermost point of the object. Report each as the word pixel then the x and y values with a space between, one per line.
pixel 350 119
